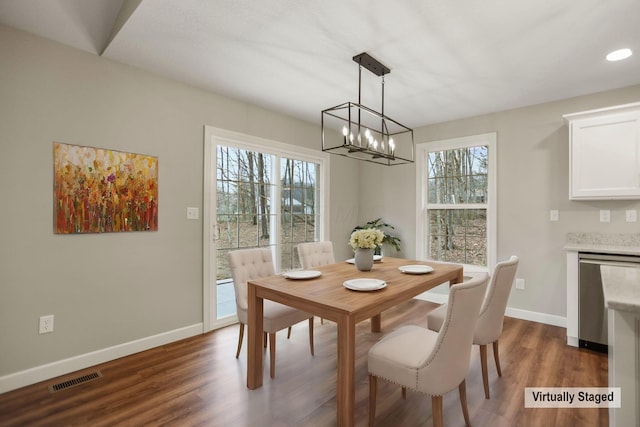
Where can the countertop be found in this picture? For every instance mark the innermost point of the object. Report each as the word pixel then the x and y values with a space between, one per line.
pixel 605 243
pixel 621 288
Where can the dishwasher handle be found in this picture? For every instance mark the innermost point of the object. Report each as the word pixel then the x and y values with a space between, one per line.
pixel 611 263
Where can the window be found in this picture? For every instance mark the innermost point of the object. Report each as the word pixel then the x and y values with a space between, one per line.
pixel 258 193
pixel 247 215
pixel 299 195
pixel 458 193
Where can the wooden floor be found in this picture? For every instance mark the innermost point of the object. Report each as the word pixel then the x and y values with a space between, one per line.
pixel 198 382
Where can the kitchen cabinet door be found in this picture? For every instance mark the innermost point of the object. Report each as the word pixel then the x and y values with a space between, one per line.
pixel 605 153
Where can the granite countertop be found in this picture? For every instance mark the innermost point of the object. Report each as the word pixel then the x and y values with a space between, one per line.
pixel 621 288
pixel 606 243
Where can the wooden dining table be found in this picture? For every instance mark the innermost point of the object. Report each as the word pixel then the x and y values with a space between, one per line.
pixel 326 297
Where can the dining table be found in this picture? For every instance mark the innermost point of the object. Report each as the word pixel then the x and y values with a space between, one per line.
pixel 327 296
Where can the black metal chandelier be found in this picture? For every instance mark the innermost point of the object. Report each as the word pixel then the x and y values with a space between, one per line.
pixel 356 131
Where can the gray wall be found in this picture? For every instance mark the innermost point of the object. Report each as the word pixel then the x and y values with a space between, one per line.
pixel 533 178
pixel 114 288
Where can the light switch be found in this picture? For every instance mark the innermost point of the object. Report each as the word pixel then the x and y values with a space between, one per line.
pixel 554 215
pixel 605 215
pixel 192 213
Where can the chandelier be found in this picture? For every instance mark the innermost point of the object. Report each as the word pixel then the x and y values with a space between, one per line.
pixel 354 130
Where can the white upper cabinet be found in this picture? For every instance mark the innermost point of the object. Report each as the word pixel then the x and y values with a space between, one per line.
pixel 604 153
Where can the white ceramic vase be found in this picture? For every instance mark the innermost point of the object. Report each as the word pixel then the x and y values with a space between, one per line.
pixel 364 259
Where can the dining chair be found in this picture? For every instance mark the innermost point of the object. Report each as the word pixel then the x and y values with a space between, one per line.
pixel 429 362
pixel 249 264
pixel 490 320
pixel 315 254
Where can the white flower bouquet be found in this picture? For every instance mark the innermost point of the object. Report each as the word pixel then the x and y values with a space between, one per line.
pixel 366 238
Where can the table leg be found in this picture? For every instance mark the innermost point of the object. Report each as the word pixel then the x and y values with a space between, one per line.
pixel 346 393
pixel 254 338
pixel 376 323
pixel 460 277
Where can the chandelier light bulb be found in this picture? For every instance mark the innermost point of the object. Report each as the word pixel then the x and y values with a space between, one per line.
pixel 345 131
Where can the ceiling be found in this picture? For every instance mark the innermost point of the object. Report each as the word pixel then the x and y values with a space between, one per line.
pixel 448 58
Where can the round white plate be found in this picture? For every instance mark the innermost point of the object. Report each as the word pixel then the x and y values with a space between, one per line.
pixel 416 269
pixel 376 258
pixel 364 284
pixel 302 274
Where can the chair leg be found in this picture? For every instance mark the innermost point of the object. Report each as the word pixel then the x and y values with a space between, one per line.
pixel 289 332
pixel 311 335
pixel 240 337
pixel 496 356
pixel 265 339
pixel 436 410
pixel 321 321
pixel 483 364
pixel 272 355
pixel 462 390
pixel 373 387
pixel 404 393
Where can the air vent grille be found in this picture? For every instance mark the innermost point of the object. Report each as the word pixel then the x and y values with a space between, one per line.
pixel 75 381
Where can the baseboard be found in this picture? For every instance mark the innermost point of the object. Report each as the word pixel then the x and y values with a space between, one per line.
pixel 433 297
pixel 533 316
pixel 75 363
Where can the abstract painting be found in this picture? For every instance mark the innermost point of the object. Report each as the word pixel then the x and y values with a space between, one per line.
pixel 100 191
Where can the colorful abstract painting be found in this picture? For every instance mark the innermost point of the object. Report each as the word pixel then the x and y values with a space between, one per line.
pixel 101 191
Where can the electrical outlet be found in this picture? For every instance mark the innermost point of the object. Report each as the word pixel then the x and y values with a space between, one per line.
pixel 46 324
pixel 605 215
pixel 631 215
pixel 520 284
pixel 554 215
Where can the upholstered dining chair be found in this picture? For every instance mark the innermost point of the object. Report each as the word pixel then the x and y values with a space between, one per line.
pixel 315 254
pixel 431 362
pixel 490 321
pixel 249 264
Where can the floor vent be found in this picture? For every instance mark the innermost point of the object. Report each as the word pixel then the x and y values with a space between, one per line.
pixel 75 381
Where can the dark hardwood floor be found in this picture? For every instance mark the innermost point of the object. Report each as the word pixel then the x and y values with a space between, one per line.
pixel 198 382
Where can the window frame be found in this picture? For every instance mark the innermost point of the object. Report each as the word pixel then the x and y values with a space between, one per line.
pixel 422 197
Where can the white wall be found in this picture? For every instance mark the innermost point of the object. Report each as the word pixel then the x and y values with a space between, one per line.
pixel 107 290
pixel 533 162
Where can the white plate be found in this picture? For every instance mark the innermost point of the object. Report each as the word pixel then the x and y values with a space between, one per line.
pixel 302 274
pixel 376 258
pixel 416 269
pixel 364 284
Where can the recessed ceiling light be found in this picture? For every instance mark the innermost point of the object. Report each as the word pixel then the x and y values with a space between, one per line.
pixel 619 55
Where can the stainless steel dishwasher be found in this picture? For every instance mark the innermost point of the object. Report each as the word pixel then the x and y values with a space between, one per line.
pixel 592 325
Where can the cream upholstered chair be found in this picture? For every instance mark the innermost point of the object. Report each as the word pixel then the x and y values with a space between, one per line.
pixel 315 254
pixel 248 264
pixel 489 327
pixel 431 362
